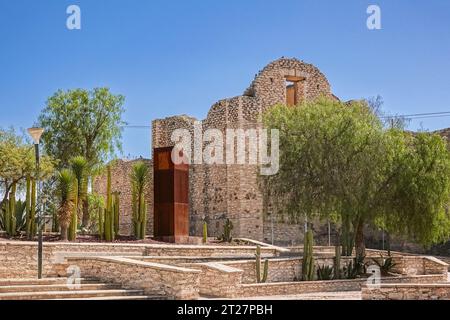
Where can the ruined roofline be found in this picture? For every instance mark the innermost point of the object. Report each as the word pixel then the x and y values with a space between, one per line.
pixel 283 63
pixel 184 117
pixel 125 160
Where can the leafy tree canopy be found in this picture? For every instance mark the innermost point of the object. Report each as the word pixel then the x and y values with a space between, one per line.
pixel 17 161
pixel 82 123
pixel 338 159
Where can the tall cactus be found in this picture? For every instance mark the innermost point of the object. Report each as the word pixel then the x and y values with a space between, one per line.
pixel 101 223
pixel 139 181
pixel 205 232
pixel 7 216
pixel 308 258
pixel 72 236
pixel 116 209
pixel 33 224
pixel 337 260
pixel 29 219
pixel 109 210
pixel 259 278
pixel 10 212
pixel 348 240
pixel 227 230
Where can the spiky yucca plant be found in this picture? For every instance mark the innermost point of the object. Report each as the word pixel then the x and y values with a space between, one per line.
pixel 66 187
pixel 139 181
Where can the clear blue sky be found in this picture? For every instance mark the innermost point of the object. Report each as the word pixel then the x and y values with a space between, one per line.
pixel 179 57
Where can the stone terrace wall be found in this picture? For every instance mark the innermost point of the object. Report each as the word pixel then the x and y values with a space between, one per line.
pixel 280 270
pixel 19 259
pixel 155 279
pixel 120 176
pixel 411 291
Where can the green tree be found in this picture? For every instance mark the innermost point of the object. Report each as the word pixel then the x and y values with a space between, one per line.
pixel 17 162
pixel 83 123
pixel 338 159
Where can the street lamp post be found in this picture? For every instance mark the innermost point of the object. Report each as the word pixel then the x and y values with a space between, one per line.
pixel 36 134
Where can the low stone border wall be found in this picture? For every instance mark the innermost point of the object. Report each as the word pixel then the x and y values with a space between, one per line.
pixel 280 270
pixel 153 278
pixel 411 265
pixel 18 259
pixel 411 291
pixel 294 288
pixel 218 280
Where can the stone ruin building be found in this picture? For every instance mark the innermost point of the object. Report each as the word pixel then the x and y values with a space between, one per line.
pixel 218 192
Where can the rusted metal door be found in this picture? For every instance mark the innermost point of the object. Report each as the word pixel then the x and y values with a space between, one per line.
pixel 171 197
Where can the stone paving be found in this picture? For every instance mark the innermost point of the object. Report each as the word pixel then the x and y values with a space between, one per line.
pixel 346 295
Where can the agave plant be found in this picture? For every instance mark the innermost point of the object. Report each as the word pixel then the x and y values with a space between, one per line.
pixel 325 272
pixel 385 265
pixel 66 187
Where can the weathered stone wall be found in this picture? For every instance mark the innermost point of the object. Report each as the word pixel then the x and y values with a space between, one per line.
pixel 281 270
pixel 121 182
pixel 413 291
pixel 231 191
pixel 155 279
pixel 218 280
pixel 293 288
pixel 19 259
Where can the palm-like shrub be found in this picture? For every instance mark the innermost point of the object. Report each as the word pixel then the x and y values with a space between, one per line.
pixel 139 182
pixel 66 187
pixel 79 166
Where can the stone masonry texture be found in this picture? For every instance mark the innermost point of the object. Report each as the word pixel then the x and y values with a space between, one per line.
pixel 222 191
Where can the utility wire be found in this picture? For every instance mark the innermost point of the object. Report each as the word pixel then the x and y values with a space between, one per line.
pixel 404 116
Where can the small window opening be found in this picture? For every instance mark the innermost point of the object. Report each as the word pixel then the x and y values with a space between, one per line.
pixel 292 90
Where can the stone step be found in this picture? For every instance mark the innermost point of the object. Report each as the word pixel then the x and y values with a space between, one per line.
pixel 119 298
pixel 44 281
pixel 56 287
pixel 81 294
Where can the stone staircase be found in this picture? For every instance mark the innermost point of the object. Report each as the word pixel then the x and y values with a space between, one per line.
pixel 58 289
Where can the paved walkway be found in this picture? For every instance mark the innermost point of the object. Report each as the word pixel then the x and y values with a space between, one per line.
pixel 348 295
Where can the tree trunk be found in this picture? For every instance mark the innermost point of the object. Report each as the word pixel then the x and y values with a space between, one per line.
pixel 359 240
pixel 64 233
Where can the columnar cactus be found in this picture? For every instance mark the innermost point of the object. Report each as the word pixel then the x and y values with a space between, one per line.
pixel 205 232
pixel 101 222
pixel 116 207
pixel 74 219
pixel 29 219
pixel 33 225
pixel 337 261
pixel 308 258
pixel 139 181
pixel 227 229
pixel 109 210
pixel 10 212
pixel 259 278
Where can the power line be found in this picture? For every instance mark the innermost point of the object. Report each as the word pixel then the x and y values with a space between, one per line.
pixel 434 114
pixel 413 116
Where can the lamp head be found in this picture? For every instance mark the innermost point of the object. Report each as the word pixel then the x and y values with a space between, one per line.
pixel 36 134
